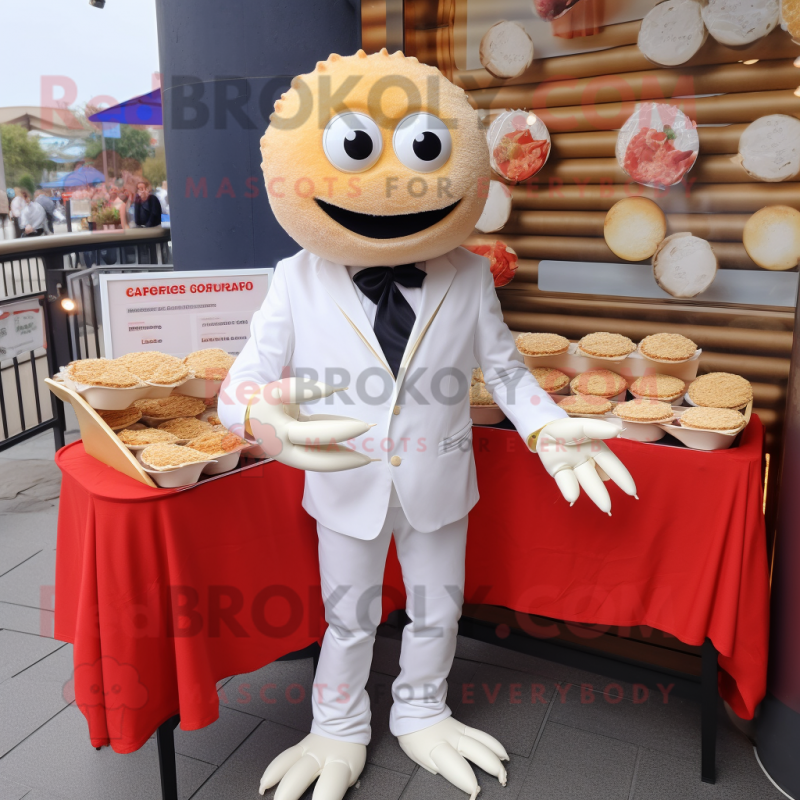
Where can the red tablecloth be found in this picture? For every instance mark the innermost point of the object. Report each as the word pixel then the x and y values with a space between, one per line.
pixel 163 593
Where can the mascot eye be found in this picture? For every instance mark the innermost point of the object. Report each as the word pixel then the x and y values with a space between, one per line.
pixel 352 142
pixel 422 142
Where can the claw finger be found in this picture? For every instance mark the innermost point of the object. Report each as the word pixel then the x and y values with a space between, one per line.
pixel 568 484
pixel 591 484
pixel 278 767
pixel 302 390
pixel 333 782
pixel 298 778
pixel 480 755
pixel 331 458
pixel 487 740
pixel 616 470
pixel 322 432
pixel 454 768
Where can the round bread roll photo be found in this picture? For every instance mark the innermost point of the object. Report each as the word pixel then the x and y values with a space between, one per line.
pixel 506 50
pixel 772 237
pixel 497 209
pixel 769 148
pixel 790 18
pixel 736 23
pixel 634 228
pixel 684 265
pixel 672 32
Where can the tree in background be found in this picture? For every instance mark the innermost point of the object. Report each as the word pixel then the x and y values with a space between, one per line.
pixel 23 157
pixel 134 144
pixel 155 169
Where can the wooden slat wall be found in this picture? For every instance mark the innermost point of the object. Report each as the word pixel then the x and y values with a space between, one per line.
pixel 559 214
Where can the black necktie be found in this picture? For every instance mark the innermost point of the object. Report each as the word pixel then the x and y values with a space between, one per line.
pixel 394 318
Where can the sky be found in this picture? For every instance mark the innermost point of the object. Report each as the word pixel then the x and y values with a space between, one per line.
pixel 57 48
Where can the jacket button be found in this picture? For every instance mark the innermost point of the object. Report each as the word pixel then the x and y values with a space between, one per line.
pixel 395 461
pixel 396 410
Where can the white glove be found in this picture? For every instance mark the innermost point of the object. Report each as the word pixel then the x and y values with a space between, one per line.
pixel 300 441
pixel 444 747
pixel 337 765
pixel 571 453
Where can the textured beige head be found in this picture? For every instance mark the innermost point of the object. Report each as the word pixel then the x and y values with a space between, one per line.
pixel 375 160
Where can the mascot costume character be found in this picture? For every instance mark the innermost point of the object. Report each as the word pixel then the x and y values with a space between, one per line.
pixel 377 166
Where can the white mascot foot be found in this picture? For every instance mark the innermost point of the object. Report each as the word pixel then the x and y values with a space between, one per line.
pixel 444 747
pixel 336 764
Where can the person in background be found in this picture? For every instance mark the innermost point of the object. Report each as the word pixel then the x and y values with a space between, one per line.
pixel 147 208
pixel 163 197
pixel 17 207
pixel 33 219
pixel 115 201
pixel 49 206
pixel 4 203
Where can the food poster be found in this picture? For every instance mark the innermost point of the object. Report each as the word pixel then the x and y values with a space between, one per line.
pixel 21 329
pixel 659 139
pixel 180 312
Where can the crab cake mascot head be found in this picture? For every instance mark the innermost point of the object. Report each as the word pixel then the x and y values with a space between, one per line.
pixel 375 165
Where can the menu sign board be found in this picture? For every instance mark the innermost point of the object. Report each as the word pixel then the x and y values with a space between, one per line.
pixel 21 328
pixel 179 312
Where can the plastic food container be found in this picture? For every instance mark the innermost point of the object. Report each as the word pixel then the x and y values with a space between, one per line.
pixel 224 463
pixel 657 145
pixel 180 476
pixel 642 431
pixel 519 145
pixel 486 415
pixel 163 390
pixel 669 400
pixel 104 398
pixel 702 440
pixel 664 361
pixel 199 387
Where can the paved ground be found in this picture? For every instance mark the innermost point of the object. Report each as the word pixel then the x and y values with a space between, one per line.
pixel 572 743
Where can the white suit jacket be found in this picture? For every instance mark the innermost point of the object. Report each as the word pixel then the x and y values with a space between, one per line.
pixel 312 323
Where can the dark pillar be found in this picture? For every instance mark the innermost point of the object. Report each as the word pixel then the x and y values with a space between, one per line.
pixel 224 64
pixel 778 730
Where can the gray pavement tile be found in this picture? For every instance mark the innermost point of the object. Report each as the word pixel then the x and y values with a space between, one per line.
pixel 32 583
pixel 663 777
pixel 18 651
pixel 386 656
pixel 239 777
pixel 216 742
pixel 576 765
pixel 33 697
pixel 15 550
pixel 10 790
pixel 507 704
pixel 35 528
pixel 38 447
pixel 16 476
pixel 672 727
pixel 485 653
pixel 383 750
pixel 423 785
pixel 273 692
pixel 60 758
pixel 37 621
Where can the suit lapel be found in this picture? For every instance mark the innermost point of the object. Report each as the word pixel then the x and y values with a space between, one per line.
pixel 440 274
pixel 337 282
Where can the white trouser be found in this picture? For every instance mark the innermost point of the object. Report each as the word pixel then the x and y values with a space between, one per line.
pixel 351 572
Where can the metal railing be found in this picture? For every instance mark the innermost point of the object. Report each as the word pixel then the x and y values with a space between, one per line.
pixel 49 269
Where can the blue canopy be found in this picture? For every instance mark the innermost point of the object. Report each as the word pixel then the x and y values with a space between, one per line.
pixel 84 176
pixel 142 110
